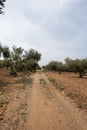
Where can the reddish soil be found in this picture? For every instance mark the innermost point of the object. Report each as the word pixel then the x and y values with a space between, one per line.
pixel 39 106
pixel 74 87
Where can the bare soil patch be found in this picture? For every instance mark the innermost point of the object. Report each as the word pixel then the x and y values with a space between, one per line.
pixel 15 95
pixel 74 87
pixel 34 103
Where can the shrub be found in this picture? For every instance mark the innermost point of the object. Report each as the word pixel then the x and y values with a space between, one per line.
pixel 25 80
pixel 13 73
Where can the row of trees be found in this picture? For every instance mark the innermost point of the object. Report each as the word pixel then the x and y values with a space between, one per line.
pixel 1 5
pixel 18 59
pixel 70 65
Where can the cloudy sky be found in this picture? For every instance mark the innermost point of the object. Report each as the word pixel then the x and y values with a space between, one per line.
pixel 56 28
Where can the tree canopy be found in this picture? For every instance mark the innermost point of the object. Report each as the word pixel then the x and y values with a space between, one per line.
pixel 70 65
pixel 19 59
pixel 33 54
pixel 2 6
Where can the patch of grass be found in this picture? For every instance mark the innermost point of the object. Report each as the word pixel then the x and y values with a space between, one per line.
pixel 82 105
pixel 79 105
pixel 61 88
pixel 55 83
pixel 25 80
pixel 13 73
pixel 71 95
pixel 52 80
pixel 27 73
pixel 42 81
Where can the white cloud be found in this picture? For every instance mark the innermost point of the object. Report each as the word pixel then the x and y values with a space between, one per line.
pixel 57 28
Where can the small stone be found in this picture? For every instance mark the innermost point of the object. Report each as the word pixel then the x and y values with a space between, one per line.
pixel 4 105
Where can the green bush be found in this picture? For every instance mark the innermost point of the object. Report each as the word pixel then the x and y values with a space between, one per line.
pixel 25 80
pixel 13 73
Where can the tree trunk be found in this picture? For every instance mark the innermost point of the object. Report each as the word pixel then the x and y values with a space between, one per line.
pixel 81 74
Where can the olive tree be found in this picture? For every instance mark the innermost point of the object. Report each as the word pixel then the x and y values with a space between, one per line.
pixel 17 56
pixel 54 66
pixel 77 65
pixel 32 54
pixel 31 59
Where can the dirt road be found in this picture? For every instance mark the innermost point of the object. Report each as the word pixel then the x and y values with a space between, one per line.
pixel 41 107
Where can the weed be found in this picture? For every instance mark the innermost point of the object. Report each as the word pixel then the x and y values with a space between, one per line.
pixel 25 80
pixel 71 95
pixel 27 73
pixel 61 88
pixel 81 105
pixel 42 82
pixel 52 80
pixel 13 73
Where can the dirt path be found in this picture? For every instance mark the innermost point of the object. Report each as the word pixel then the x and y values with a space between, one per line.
pixel 51 111
pixel 42 107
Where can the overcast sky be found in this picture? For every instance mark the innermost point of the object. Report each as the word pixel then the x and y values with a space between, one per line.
pixel 56 28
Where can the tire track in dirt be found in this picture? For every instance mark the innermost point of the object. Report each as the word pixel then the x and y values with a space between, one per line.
pixel 77 119
pixel 49 110
pixel 41 107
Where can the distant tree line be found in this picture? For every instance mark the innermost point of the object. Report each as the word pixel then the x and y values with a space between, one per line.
pixel 19 59
pixel 70 65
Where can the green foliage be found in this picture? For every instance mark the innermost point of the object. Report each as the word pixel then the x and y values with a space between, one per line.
pixel 31 59
pixel 16 57
pixel 54 66
pixel 51 79
pixel 25 80
pixel 31 65
pixel 13 73
pixel 6 52
pixel 42 81
pixel 38 67
pixel 1 64
pixel 1 6
pixel 25 60
pixel 19 60
pixel 69 65
pixel 77 65
pixel 0 49
pixel 6 63
pixel 32 54
pixel 17 53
